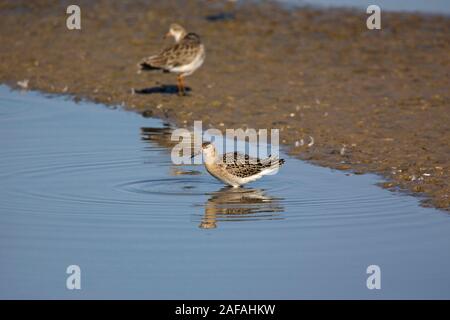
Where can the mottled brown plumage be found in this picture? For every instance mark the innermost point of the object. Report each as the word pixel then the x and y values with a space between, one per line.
pixel 244 166
pixel 179 54
pixel 183 58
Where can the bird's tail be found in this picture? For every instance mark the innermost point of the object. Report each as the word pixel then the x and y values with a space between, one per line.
pixel 273 161
pixel 150 64
pixel 147 67
pixel 272 164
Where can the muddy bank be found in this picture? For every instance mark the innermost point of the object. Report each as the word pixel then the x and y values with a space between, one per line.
pixel 374 101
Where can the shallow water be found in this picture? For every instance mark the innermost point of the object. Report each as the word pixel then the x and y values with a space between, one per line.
pixel 82 184
pixel 426 6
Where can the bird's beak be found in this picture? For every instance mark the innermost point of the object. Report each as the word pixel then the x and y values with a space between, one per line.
pixel 196 153
pixel 167 35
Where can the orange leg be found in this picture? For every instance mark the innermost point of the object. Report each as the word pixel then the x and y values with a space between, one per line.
pixel 181 91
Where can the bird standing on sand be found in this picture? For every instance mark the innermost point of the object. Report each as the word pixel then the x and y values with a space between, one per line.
pixel 237 169
pixel 182 58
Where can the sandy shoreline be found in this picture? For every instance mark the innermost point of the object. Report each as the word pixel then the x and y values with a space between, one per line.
pixel 374 101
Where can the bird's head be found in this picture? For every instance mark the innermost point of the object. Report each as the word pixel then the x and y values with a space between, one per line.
pixel 208 150
pixel 176 31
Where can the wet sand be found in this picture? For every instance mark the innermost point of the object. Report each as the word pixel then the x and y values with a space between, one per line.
pixel 374 101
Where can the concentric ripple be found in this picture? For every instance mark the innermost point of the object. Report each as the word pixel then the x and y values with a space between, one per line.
pixel 168 186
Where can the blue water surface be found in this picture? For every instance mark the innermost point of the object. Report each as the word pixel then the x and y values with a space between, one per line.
pixel 81 184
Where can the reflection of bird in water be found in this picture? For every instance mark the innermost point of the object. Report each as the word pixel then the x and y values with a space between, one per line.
pixel 161 137
pixel 232 204
pixel 228 11
pixel 182 58
pixel 237 169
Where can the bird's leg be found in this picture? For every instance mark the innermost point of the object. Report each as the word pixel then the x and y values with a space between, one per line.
pixel 182 85
pixel 181 91
pixel 179 85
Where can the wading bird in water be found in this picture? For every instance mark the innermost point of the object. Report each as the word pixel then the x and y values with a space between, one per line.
pixel 182 58
pixel 234 168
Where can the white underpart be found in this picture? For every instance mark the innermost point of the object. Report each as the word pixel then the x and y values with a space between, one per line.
pixel 245 180
pixel 257 176
pixel 189 69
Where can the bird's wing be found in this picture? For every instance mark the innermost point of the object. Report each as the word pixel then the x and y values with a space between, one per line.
pixel 242 165
pixel 176 55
